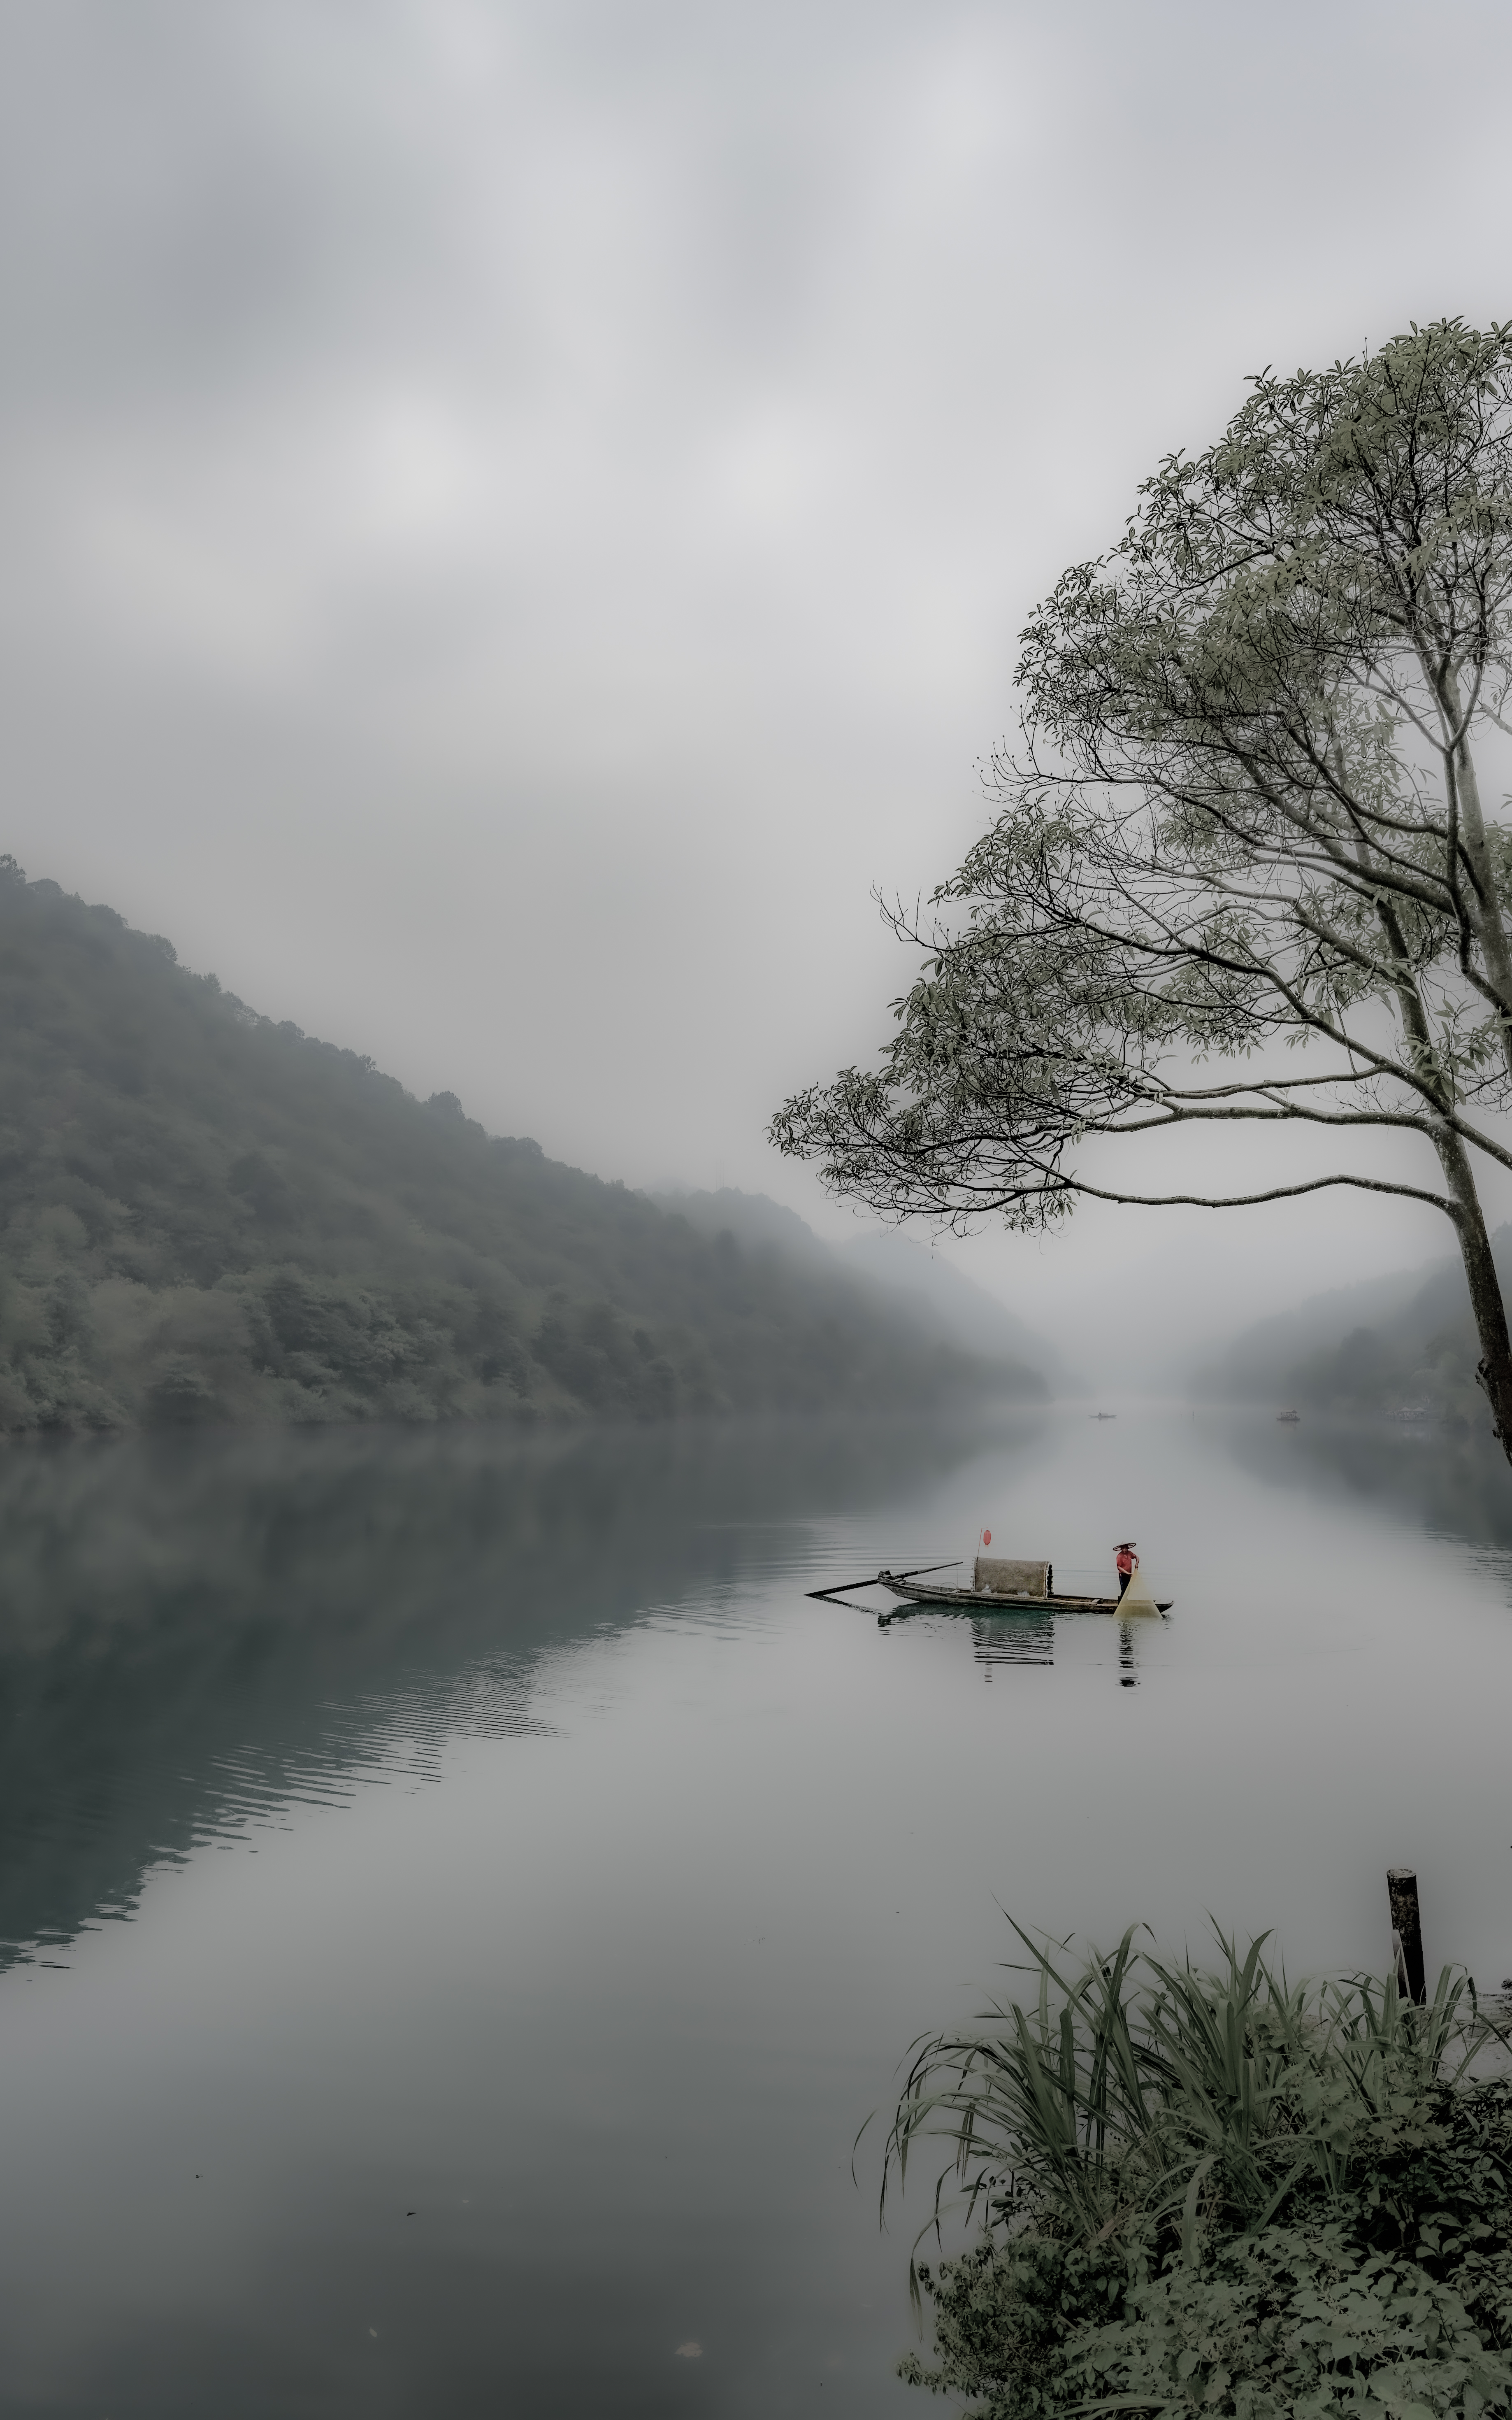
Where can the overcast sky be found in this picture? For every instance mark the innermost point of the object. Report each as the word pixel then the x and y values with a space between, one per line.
pixel 516 517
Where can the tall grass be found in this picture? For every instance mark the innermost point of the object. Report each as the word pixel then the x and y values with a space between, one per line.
pixel 1127 2121
pixel 1126 2083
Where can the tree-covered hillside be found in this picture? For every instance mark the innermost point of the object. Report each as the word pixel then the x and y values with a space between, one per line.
pixel 1402 1345
pixel 937 1290
pixel 205 1216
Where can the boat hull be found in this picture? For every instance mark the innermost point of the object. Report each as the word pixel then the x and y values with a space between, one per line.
pixel 968 1601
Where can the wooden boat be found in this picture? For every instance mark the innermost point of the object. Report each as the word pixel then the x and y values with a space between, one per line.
pixel 1000 1586
pixel 1017 1600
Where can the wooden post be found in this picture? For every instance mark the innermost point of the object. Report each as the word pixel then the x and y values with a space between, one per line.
pixel 1407 1934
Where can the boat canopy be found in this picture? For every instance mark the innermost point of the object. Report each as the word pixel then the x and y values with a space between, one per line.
pixel 996 1576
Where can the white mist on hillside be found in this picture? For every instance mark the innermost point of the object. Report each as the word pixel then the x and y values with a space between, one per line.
pixel 941 1295
pixel 1136 1302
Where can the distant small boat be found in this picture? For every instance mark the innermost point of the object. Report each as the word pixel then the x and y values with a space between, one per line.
pixel 1289 1416
pixel 1102 1416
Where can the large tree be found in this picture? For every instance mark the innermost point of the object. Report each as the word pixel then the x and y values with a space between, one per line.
pixel 1243 815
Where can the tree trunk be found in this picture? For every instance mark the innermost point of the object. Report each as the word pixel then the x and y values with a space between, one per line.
pixel 1494 1373
pixel 1493 938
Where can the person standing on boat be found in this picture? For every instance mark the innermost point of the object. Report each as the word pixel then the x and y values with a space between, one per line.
pixel 1126 1562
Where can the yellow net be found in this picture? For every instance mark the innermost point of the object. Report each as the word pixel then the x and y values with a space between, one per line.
pixel 1139 1597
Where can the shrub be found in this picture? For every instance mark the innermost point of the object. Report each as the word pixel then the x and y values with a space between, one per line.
pixel 1215 2192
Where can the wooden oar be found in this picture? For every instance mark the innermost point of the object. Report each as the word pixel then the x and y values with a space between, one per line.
pixel 835 1595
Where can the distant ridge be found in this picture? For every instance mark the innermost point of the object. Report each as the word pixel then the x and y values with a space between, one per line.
pixel 973 1318
pixel 209 1216
pixel 904 1269
pixel 1402 1344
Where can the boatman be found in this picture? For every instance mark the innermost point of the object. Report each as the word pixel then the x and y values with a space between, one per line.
pixel 1127 1563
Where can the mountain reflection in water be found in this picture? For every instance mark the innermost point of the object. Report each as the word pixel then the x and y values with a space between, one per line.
pixel 497 2088
pixel 196 1633
pixel 1451 1480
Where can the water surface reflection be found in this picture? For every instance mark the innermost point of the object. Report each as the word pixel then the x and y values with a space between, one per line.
pixel 198 1634
pixel 494 2086
pixel 1452 1479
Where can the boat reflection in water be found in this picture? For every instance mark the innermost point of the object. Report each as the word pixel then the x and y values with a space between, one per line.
pixel 1030 1638
pixel 1012 1639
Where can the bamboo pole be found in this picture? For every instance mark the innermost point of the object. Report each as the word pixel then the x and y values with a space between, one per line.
pixel 1407 1934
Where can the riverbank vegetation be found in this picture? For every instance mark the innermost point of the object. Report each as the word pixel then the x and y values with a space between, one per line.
pixel 1219 2192
pixel 209 1216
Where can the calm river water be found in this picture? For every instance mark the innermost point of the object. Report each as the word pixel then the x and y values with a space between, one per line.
pixel 461 1900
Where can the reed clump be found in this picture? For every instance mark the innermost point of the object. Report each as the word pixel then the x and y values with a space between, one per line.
pixel 1211 2191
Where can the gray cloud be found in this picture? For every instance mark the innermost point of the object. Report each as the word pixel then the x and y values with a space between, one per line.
pixel 517 516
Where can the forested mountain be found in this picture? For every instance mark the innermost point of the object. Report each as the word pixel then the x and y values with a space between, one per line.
pixel 1399 1344
pixel 903 1266
pixel 205 1216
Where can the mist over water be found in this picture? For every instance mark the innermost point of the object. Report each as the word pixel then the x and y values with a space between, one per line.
pixel 462 1899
